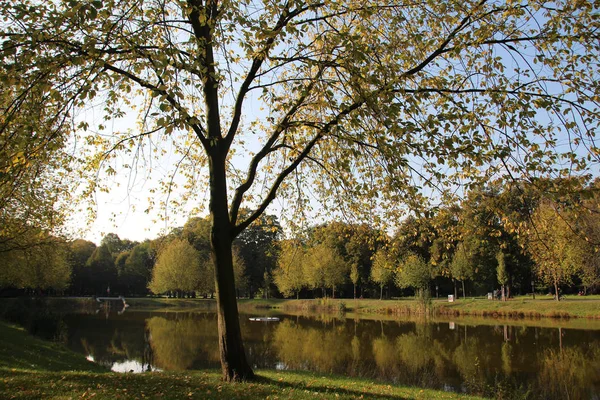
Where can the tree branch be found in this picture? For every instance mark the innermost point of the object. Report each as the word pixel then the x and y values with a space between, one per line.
pixel 268 148
pixel 285 17
pixel 301 157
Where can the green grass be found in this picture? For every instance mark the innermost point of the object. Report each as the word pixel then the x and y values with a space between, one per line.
pixel 520 307
pixel 541 307
pixel 175 304
pixel 31 369
pixel 572 307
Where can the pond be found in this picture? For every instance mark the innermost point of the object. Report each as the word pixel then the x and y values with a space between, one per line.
pixel 492 357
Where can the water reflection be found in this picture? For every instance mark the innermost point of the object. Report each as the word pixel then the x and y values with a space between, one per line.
pixel 500 360
pixel 177 343
pixel 568 373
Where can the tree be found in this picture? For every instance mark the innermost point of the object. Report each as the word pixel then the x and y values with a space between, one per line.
pixel 374 101
pixel 463 266
pixel 324 267
pixel 137 269
pixel 414 272
pixel 257 246
pixel 554 245
pixel 177 268
pixel 501 272
pixel 41 267
pixel 382 271
pixel 80 252
pixel 354 277
pixel 335 268
pixel 356 243
pixel 197 232
pixel 35 169
pixel 115 245
pixel 588 220
pixel 101 270
pixel 289 274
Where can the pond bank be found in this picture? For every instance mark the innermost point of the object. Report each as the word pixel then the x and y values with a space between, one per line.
pixel 32 368
pixel 517 308
pixel 514 308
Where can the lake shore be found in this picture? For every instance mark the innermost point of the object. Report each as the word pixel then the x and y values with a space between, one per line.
pixel 31 368
pixel 517 308
pixel 544 310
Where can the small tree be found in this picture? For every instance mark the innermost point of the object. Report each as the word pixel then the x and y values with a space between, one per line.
pixel 501 273
pixel 382 271
pixel 414 272
pixel 354 276
pixel 177 268
pixel 101 270
pixel 462 266
pixel 289 274
pixel 554 246
pixel 325 266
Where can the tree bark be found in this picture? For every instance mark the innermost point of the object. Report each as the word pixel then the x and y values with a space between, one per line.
pixel 556 296
pixel 231 348
pixel 463 288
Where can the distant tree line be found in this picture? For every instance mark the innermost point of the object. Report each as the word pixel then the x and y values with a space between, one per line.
pixel 177 264
pixel 514 239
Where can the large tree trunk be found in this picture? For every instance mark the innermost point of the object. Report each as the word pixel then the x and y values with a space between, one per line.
pixel 464 294
pixel 231 348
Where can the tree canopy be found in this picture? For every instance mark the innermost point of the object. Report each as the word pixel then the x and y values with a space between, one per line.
pixel 177 268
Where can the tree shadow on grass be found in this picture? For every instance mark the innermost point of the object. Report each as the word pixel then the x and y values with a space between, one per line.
pixel 21 385
pixel 321 389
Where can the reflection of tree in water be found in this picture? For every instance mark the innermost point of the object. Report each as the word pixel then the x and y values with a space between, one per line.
pixel 383 352
pixel 469 359
pixel 312 348
pixel 507 357
pixel 177 343
pixel 355 345
pixel 412 358
pixel 570 373
pixel 418 352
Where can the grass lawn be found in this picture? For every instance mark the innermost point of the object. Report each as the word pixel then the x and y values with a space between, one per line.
pixel 572 307
pixel 587 307
pixel 32 369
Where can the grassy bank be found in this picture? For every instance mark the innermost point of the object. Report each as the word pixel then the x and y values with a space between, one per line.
pixel 521 307
pixel 31 369
pixel 514 308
